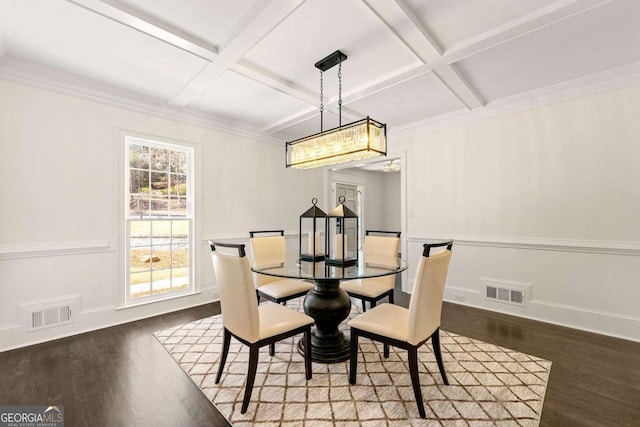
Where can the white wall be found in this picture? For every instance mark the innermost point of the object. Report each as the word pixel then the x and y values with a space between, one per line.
pixel 548 196
pixel 59 195
pixel 391 201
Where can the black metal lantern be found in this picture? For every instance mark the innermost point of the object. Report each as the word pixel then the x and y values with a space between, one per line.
pixel 314 250
pixel 336 242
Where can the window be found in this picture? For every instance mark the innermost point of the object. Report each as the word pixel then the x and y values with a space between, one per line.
pixel 159 220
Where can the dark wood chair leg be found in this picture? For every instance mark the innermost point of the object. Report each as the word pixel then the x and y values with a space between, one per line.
pixel 372 304
pixel 353 364
pixel 307 353
pixel 225 352
pixel 415 379
pixel 391 298
pixel 272 349
pixel 364 305
pixel 251 376
pixel 385 351
pixel 435 342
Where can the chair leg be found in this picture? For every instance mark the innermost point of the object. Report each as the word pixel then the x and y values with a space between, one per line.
pixel 385 351
pixel 391 298
pixel 372 304
pixel 251 376
pixel 225 352
pixel 364 305
pixel 415 379
pixel 307 353
pixel 272 349
pixel 353 364
pixel 435 342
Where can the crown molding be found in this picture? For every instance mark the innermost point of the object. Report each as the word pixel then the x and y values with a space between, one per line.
pixel 610 79
pixel 31 74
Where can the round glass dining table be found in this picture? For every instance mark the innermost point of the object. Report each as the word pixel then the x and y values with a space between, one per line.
pixel 327 303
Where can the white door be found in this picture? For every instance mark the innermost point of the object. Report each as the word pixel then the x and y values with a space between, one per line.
pixel 350 193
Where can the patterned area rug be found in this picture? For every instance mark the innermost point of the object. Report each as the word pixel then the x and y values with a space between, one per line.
pixel 489 385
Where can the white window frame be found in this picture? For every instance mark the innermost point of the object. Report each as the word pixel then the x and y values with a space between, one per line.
pixel 124 219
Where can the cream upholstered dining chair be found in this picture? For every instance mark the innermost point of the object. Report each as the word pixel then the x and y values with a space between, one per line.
pixel 374 289
pixel 252 324
pixel 271 250
pixel 409 328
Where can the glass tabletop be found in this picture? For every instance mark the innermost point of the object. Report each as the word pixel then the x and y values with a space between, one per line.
pixel 370 266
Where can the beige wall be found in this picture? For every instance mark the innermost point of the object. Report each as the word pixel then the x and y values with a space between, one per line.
pixel 547 196
pixel 60 192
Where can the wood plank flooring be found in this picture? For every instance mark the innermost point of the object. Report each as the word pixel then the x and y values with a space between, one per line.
pixel 121 376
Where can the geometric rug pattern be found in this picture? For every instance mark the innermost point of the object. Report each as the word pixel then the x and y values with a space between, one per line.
pixel 489 385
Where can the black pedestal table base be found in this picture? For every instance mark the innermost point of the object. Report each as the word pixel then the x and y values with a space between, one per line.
pixel 329 306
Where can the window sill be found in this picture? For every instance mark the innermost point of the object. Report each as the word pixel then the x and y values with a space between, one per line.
pixel 153 301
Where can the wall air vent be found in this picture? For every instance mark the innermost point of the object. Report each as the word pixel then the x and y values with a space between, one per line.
pixel 45 314
pixel 506 291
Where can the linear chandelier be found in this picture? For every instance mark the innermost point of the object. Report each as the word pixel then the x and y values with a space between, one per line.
pixel 358 140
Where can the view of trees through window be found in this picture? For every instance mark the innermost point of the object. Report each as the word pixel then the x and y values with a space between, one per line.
pixel 159 219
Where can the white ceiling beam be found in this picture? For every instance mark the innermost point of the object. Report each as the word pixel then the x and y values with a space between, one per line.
pixel 459 86
pixel 265 17
pixel 266 78
pixel 540 18
pixel 138 20
pixel 406 26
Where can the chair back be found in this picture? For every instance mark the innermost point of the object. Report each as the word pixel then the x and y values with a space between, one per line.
pixel 237 292
pixel 268 251
pixel 425 306
pixel 385 247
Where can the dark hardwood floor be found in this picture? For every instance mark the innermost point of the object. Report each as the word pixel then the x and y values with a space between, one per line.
pixel 121 376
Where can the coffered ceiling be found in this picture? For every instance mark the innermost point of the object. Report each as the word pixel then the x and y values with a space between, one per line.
pixel 251 62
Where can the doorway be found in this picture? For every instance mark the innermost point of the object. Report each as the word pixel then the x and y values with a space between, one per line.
pixel 351 200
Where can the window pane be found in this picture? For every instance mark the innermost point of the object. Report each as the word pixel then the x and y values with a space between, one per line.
pixel 159 194
pixel 159 159
pixel 180 256
pixel 140 284
pixel 161 255
pixel 138 193
pixel 180 231
pixel 139 156
pixel 179 161
pixel 180 278
pixel 161 281
pixel 178 192
pixel 140 233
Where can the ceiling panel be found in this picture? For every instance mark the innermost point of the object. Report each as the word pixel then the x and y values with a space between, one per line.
pixel 241 98
pixel 453 22
pixel 210 20
pixel 61 35
pixel 318 28
pixel 416 99
pixel 578 46
pixel 264 75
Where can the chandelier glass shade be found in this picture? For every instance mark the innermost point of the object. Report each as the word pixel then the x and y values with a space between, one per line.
pixel 355 141
pixel 359 140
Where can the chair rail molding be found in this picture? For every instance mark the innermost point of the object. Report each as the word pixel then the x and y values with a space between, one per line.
pixel 36 250
pixel 612 247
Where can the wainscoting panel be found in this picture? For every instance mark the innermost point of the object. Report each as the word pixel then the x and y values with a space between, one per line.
pixel 581 284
